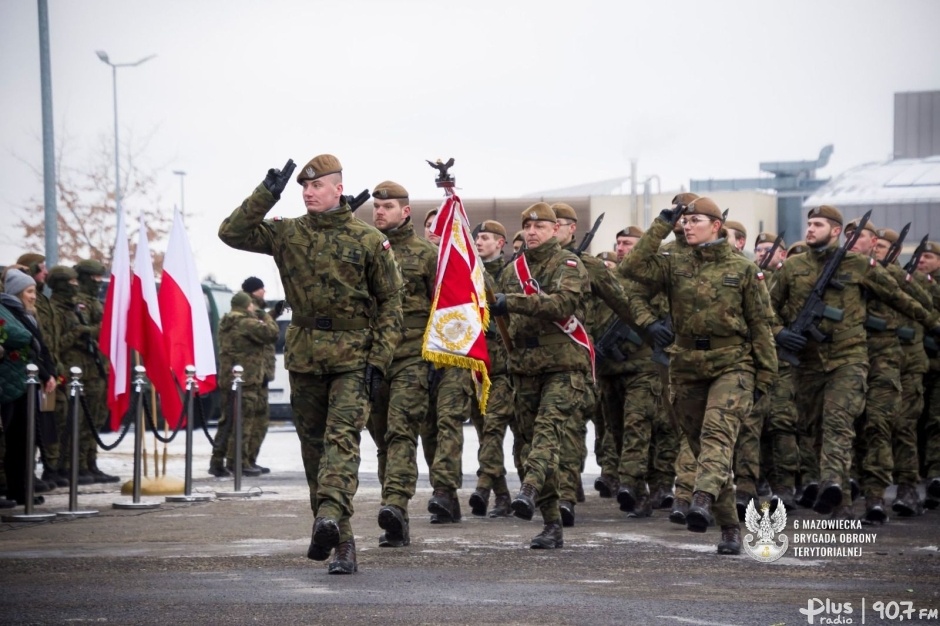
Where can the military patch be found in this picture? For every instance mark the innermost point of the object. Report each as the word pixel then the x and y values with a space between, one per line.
pixel 731 280
pixel 351 255
pixel 310 173
pixel 871 262
pixel 760 275
pixel 683 273
pixel 386 245
pixel 571 263
pixel 844 278
pixel 277 218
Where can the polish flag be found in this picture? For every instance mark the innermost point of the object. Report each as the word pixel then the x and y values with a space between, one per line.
pixel 145 331
pixel 186 332
pixel 113 337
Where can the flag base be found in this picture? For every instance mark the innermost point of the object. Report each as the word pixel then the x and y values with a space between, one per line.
pixel 32 517
pixel 73 514
pixel 160 486
pixel 196 497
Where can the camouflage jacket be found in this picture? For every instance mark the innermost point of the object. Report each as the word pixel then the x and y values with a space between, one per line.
pixel 68 340
pixel 639 355
pixel 499 356
pixel 269 348
pixel 243 338
pixel 540 346
pixel 91 311
pixel 915 358
pixel 715 296
pixel 334 268
pixel 795 281
pixel 417 258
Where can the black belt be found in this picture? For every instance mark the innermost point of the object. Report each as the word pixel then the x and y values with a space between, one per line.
pixel 415 321
pixel 329 323
pixel 540 340
pixel 709 343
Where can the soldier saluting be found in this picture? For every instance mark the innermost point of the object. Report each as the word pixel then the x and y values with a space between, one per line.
pixel 723 356
pixel 344 286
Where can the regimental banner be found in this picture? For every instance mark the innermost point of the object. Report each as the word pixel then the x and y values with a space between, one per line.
pixel 455 335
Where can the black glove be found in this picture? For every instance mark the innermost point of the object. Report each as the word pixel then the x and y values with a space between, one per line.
pixel 935 331
pixel 498 306
pixel 374 379
pixel 758 394
pixel 276 180
pixel 660 332
pixel 790 340
pixel 672 214
pixel 434 378
pixel 278 309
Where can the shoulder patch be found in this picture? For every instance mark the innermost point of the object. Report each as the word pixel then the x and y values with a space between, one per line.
pixel 571 263
pixel 871 262
pixel 277 218
pixel 386 245
pixel 731 280
pixel 760 275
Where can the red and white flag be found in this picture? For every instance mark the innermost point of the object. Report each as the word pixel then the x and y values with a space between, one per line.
pixel 145 331
pixel 186 330
pixel 456 331
pixel 113 337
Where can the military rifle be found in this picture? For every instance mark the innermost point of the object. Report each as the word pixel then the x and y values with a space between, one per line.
pixel 773 250
pixel 911 266
pixel 589 236
pixel 895 250
pixel 357 201
pixel 815 309
pixel 618 331
pixel 91 346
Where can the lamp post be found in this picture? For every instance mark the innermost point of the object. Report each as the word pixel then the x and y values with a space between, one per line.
pixel 117 163
pixel 182 175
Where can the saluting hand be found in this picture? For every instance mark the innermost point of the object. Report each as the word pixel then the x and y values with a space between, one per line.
pixel 276 180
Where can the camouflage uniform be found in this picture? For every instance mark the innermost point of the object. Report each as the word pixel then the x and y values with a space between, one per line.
pixel 928 426
pixel 395 419
pixel 723 349
pixel 95 381
pixel 344 286
pixel 262 419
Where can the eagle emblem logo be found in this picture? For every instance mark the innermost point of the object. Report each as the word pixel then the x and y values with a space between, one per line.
pixel 761 545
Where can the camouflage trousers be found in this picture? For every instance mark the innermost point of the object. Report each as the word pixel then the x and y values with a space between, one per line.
pixel 685 470
pixel 543 404
pixel 260 428
pixel 710 413
pixel 455 397
pixel 632 404
pixel 873 452
pixel 500 414
pixel 329 413
pixel 928 428
pixel 829 402
pixel 428 428
pixel 904 426
pixel 254 417
pixel 572 447
pixel 96 397
pixel 394 423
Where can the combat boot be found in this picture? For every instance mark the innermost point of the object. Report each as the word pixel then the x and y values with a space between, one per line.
pixel 325 534
pixel 85 477
pixel 700 517
pixel 843 512
pixel 784 496
pixel 854 489
pixel 808 496
pixel 741 500
pixel 442 506
pixel 933 488
pixel 264 470
pixel 315 551
pixel 875 511
pixel 550 538
pixel 763 488
pixel 606 485
pixel 217 469
pixel 344 559
pixel 662 498
pixel 579 492
pixel 501 506
pixel 680 508
pixel 730 539
pixel 830 497
pixel 455 510
pixel 392 521
pixel 52 477
pixel 907 501
pixel 566 508
pixel 626 499
pixel 247 470
pixel 480 502
pixel 523 505
pixel 101 477
pixel 644 505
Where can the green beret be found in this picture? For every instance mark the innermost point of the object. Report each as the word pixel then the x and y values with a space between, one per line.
pixel 494 227
pixel 851 226
pixel 683 199
pixel 319 166
pixel 30 258
pixel 932 247
pixel 738 226
pixel 797 248
pixel 631 231
pixel 887 234
pixel 61 273
pixel 388 190
pixel 564 212
pixel 828 212
pixel 766 237
pixel 241 300
pixel 540 212
pixel 91 267
pixel 704 206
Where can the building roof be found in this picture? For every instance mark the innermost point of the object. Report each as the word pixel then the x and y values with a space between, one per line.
pixel 900 181
pixel 608 187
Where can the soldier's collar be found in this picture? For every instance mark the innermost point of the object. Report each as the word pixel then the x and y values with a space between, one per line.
pixel 711 250
pixel 544 251
pixel 400 233
pixel 330 218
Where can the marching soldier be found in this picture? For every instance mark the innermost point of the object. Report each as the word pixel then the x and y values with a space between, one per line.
pixel 344 286
pixel 928 427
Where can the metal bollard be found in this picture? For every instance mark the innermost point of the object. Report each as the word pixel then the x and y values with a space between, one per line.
pixel 32 389
pixel 139 372
pixel 75 393
pixel 188 477
pixel 237 381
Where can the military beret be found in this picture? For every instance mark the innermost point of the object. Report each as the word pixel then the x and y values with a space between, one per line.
pixel 318 166
pixel 766 237
pixel 252 284
pixel 797 248
pixel 607 255
pixel 540 212
pixel 61 273
pixel 388 190
pixel 828 212
pixel 704 206
pixel 683 199
pixel 887 234
pixel 519 236
pixel 241 300
pixel 564 211
pixel 30 258
pixel 932 247
pixel 738 226
pixel 868 226
pixel 91 267
pixel 631 231
pixel 492 226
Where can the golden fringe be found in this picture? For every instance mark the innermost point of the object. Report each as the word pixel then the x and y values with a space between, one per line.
pixel 465 362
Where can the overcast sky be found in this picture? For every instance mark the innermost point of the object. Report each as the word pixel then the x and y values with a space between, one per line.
pixel 526 95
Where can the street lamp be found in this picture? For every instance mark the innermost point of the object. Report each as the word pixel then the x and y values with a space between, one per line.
pixel 117 163
pixel 181 174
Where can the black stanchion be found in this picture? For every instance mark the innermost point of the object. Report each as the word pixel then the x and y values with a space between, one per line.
pixel 138 445
pixel 32 390
pixel 188 477
pixel 237 372
pixel 75 394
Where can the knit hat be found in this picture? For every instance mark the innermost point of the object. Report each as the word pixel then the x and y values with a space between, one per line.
pixel 252 284
pixel 16 281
